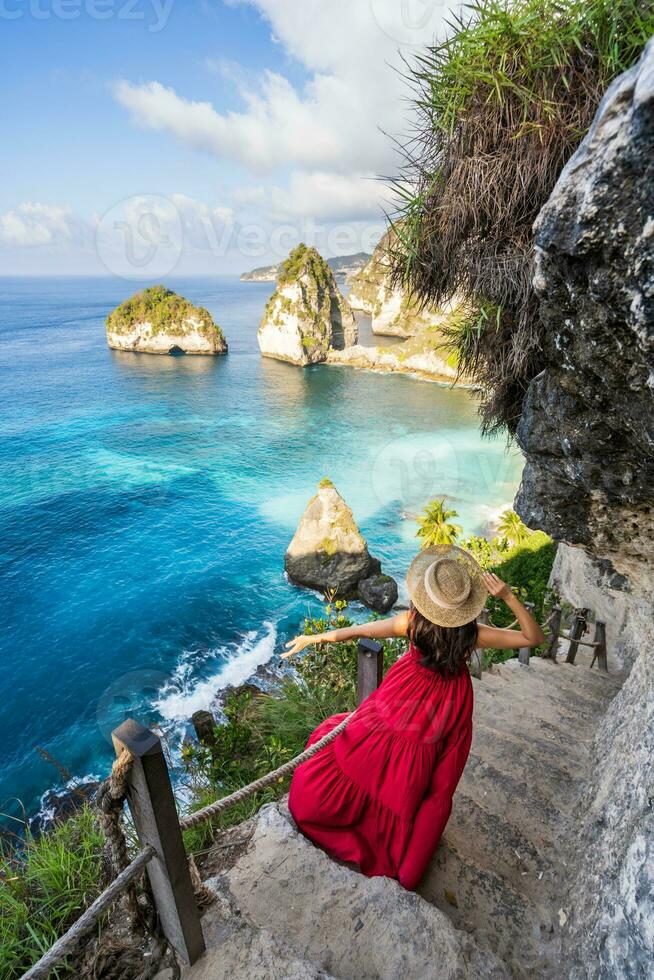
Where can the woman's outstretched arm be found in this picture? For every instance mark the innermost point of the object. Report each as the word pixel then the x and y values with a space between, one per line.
pixel 379 629
pixel 529 633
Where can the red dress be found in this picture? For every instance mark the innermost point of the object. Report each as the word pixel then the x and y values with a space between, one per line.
pixel 380 794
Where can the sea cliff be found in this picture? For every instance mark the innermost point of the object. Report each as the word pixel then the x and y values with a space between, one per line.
pixel 307 316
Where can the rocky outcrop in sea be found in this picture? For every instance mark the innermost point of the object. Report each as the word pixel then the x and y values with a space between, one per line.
pixel 328 553
pixel 306 316
pixel 159 321
pixel 587 431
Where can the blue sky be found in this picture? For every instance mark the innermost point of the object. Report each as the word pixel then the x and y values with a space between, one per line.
pixel 227 130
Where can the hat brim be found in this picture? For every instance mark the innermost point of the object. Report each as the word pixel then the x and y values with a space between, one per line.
pixel 439 615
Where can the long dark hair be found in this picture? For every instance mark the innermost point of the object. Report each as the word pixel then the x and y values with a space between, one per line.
pixel 443 649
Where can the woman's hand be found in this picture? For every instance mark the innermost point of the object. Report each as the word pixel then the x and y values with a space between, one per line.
pixel 497 588
pixel 298 644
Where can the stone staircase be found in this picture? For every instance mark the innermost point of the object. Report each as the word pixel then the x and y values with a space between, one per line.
pixel 493 901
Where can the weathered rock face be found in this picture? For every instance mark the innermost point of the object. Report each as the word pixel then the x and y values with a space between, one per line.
pixel 422 356
pixel 393 313
pixel 610 931
pixel 328 552
pixel 306 316
pixel 588 424
pixel 588 434
pixel 345 923
pixel 158 321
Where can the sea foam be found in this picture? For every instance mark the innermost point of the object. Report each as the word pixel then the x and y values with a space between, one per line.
pixel 184 693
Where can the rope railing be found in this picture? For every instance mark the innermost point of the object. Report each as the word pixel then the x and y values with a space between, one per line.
pixel 140 774
pixel 213 809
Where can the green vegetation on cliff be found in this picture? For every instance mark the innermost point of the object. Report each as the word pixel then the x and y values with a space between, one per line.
pixel 303 260
pixel 46 883
pixel 500 106
pixel 168 313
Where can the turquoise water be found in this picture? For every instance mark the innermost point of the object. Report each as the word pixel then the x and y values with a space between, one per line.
pixel 146 503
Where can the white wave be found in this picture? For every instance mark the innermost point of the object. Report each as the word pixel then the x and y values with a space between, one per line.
pixel 182 695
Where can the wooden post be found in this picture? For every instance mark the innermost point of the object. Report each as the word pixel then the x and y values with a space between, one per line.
pixel 370 668
pixel 524 653
pixel 477 657
pixel 152 805
pixel 576 632
pixel 555 626
pixel 600 649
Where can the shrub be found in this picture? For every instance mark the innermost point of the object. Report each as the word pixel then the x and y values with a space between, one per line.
pixel 500 106
pixel 46 883
pixel 165 310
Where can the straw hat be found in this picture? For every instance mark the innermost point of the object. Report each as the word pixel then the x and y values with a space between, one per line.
pixel 446 586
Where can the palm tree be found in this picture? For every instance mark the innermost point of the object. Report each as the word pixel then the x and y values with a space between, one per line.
pixel 435 525
pixel 511 527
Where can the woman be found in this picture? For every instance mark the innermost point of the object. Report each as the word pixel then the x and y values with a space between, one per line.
pixel 380 794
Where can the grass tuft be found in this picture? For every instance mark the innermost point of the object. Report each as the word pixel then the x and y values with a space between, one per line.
pixel 500 106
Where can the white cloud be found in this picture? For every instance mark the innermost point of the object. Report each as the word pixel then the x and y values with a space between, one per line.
pixel 245 137
pixel 32 224
pixel 335 124
pixel 328 196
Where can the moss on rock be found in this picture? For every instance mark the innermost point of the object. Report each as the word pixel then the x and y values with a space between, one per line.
pixel 152 317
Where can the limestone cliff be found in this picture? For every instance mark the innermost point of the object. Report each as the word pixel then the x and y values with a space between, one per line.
pixel 158 321
pixel 422 355
pixel 306 316
pixel 393 313
pixel 587 431
pixel 329 553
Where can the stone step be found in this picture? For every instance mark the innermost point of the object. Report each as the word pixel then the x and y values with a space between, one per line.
pixel 523 759
pixel 504 793
pixel 497 844
pixel 238 951
pixel 552 689
pixel 543 747
pixel 483 903
pixel 522 703
pixel 345 923
pixel 596 684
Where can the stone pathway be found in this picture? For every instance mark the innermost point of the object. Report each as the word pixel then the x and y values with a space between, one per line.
pixel 493 900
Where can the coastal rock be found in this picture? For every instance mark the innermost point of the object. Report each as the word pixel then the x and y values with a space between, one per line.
pixel 587 431
pixel 328 552
pixel 347 924
pixel 379 592
pixel 393 312
pixel 306 316
pixel 421 355
pixel 158 321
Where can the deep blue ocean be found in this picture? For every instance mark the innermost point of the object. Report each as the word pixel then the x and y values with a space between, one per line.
pixel 146 503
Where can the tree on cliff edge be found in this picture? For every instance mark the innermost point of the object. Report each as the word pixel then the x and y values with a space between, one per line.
pixel 500 106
